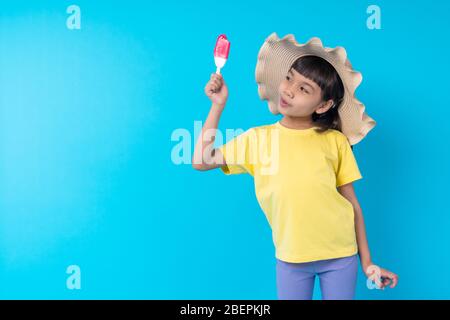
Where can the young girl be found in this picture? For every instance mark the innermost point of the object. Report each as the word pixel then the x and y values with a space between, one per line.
pixel 303 166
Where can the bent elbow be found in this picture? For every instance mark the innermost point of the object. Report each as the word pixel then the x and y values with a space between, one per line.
pixel 198 166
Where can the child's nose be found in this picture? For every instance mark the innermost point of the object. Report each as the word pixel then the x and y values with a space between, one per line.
pixel 288 92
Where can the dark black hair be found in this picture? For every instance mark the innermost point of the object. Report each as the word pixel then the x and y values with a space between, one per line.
pixel 325 75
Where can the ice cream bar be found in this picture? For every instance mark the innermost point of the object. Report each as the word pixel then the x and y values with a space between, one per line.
pixel 221 52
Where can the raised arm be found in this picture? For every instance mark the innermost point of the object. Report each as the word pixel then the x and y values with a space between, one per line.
pixel 205 156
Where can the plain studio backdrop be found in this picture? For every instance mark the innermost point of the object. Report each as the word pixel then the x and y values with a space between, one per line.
pixel 88 182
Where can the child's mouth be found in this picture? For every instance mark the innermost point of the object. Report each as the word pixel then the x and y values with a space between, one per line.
pixel 283 103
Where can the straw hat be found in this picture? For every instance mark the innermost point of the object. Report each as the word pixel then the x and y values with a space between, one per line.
pixel 277 55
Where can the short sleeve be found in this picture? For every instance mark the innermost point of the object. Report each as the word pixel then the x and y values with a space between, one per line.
pixel 348 170
pixel 238 154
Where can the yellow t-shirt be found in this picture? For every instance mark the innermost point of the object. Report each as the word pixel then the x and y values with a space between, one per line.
pixel 296 174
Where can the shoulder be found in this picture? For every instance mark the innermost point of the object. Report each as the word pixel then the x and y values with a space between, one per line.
pixel 256 135
pixel 248 134
pixel 263 127
pixel 259 130
pixel 336 140
pixel 337 136
pixel 336 133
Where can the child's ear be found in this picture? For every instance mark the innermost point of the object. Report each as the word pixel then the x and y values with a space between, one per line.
pixel 330 103
pixel 327 105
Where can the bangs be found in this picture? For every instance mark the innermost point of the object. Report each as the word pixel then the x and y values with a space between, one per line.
pixel 321 72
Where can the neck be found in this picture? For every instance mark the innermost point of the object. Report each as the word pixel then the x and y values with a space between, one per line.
pixel 297 122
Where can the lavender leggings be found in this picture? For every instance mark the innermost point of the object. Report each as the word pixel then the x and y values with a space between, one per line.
pixel 295 281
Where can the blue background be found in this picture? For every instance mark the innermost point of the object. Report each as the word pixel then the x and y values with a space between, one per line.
pixel 86 175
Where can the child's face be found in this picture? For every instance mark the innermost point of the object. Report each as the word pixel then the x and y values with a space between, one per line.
pixel 302 95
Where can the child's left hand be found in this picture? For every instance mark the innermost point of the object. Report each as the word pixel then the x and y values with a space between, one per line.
pixel 382 277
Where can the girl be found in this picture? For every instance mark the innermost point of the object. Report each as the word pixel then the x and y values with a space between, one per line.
pixel 306 189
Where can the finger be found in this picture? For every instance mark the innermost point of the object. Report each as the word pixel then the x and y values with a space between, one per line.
pixel 210 89
pixel 214 88
pixel 389 278
pixel 217 77
pixel 381 284
pixel 386 282
pixel 378 281
pixel 394 281
pixel 213 83
pixel 383 278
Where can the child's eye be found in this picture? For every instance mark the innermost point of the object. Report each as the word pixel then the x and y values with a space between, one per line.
pixel 301 88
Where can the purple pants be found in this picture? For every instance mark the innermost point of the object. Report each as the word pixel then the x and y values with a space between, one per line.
pixel 295 281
